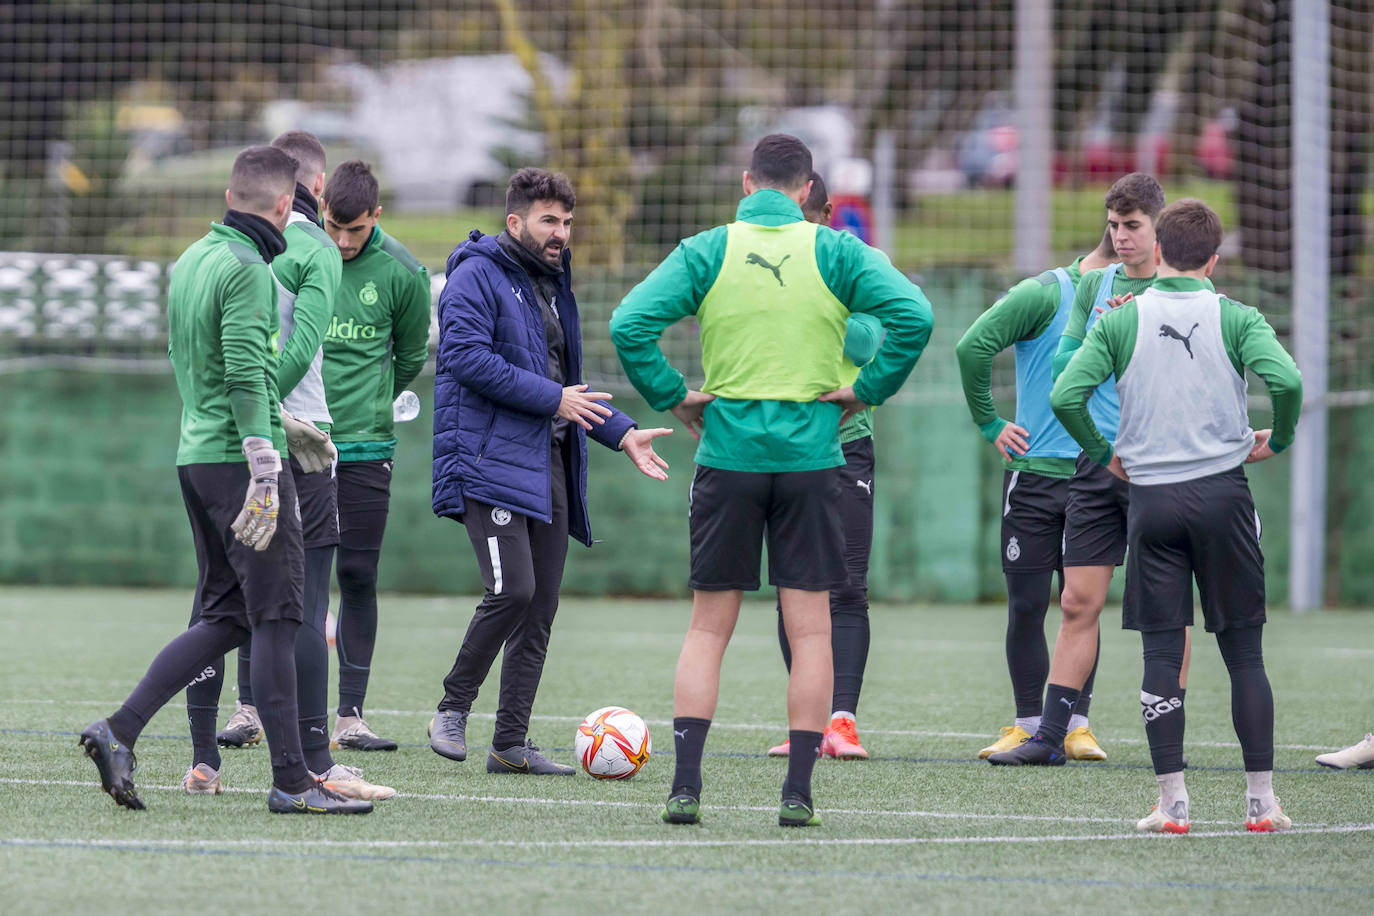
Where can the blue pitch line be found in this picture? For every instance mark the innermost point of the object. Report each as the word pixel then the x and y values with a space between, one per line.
pixel 741 755
pixel 704 869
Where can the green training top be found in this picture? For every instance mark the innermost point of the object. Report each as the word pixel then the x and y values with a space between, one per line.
pixel 863 334
pixel 1024 313
pixel 1249 343
pixel 376 344
pixel 773 424
pixel 221 325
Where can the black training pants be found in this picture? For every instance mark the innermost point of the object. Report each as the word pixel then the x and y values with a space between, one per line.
pixel 522 560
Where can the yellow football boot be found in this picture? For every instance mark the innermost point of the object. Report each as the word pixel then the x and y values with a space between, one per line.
pixel 1081 744
pixel 1012 736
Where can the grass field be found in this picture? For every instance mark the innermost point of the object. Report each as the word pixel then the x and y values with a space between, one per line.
pixel 921 827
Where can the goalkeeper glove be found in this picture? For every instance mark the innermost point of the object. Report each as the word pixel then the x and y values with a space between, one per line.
pixel 257 522
pixel 310 445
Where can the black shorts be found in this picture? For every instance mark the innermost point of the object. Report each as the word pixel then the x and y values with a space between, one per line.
pixel 364 494
pixel 235 581
pixel 732 512
pixel 1095 516
pixel 1205 529
pixel 319 497
pixel 1033 508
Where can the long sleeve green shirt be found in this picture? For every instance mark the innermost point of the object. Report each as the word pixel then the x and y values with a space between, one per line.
pixel 1249 341
pixel 1024 313
pixel 376 344
pixel 771 436
pixel 222 321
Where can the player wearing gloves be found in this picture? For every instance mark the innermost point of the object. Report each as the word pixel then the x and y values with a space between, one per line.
pixel 222 319
pixel 307 276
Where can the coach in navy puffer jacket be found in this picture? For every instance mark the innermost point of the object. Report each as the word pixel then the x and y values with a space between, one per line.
pixel 511 420
pixel 493 402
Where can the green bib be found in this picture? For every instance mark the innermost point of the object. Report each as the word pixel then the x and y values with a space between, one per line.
pixel 771 330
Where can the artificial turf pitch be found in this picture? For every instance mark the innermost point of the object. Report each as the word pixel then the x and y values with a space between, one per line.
pixel 923 826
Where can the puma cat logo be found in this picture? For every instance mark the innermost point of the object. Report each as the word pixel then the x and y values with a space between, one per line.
pixel 1167 331
pixel 776 269
pixel 867 486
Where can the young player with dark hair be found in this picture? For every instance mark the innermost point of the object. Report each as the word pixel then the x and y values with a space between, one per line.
pixel 307 276
pixel 849 629
pixel 1179 353
pixel 1095 512
pixel 511 422
pixel 1039 458
pixel 222 317
pixel 375 345
pixel 771 292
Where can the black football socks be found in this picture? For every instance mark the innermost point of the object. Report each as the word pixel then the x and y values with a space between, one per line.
pixel 689 741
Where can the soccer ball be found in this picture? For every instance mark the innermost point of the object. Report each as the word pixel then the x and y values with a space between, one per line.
pixel 612 743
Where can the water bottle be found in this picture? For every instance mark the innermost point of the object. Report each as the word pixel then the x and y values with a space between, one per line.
pixel 406 407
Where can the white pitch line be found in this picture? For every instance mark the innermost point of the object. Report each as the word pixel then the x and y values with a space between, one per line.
pixel 732 726
pixel 180 843
pixel 604 803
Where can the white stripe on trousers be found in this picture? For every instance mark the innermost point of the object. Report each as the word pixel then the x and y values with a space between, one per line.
pixel 1011 485
pixel 495 552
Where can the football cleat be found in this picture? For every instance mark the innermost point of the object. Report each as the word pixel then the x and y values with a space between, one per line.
pixel 841 740
pixel 348 781
pixel 318 799
pixel 524 758
pixel 115 761
pixel 1033 752
pixel 1357 756
pixel 682 808
pixel 448 734
pixel 202 779
pixel 1266 820
pixel 1012 735
pixel 780 750
pixel 243 729
pixel 797 811
pixel 1081 744
pixel 352 733
pixel 1159 822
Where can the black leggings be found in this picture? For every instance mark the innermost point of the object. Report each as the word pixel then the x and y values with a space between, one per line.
pixel 1252 700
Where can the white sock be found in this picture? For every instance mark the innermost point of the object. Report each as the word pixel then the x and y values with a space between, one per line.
pixel 1259 786
pixel 1171 792
pixel 1077 721
pixel 1031 724
pixel 843 714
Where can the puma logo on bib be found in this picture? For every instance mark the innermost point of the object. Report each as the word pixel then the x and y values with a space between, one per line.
pixel 758 260
pixel 1168 331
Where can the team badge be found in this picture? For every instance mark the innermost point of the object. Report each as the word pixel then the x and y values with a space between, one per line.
pixel 368 294
pixel 1013 550
pixel 500 516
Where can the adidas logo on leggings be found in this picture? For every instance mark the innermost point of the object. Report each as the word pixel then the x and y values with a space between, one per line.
pixel 1152 707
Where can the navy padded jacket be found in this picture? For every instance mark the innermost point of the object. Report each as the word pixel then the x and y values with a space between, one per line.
pixel 493 402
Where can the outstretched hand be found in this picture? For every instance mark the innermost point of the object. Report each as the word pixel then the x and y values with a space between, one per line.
pixel 639 445
pixel 847 399
pixel 689 410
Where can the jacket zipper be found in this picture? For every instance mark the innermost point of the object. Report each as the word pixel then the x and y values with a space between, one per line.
pixel 486 437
